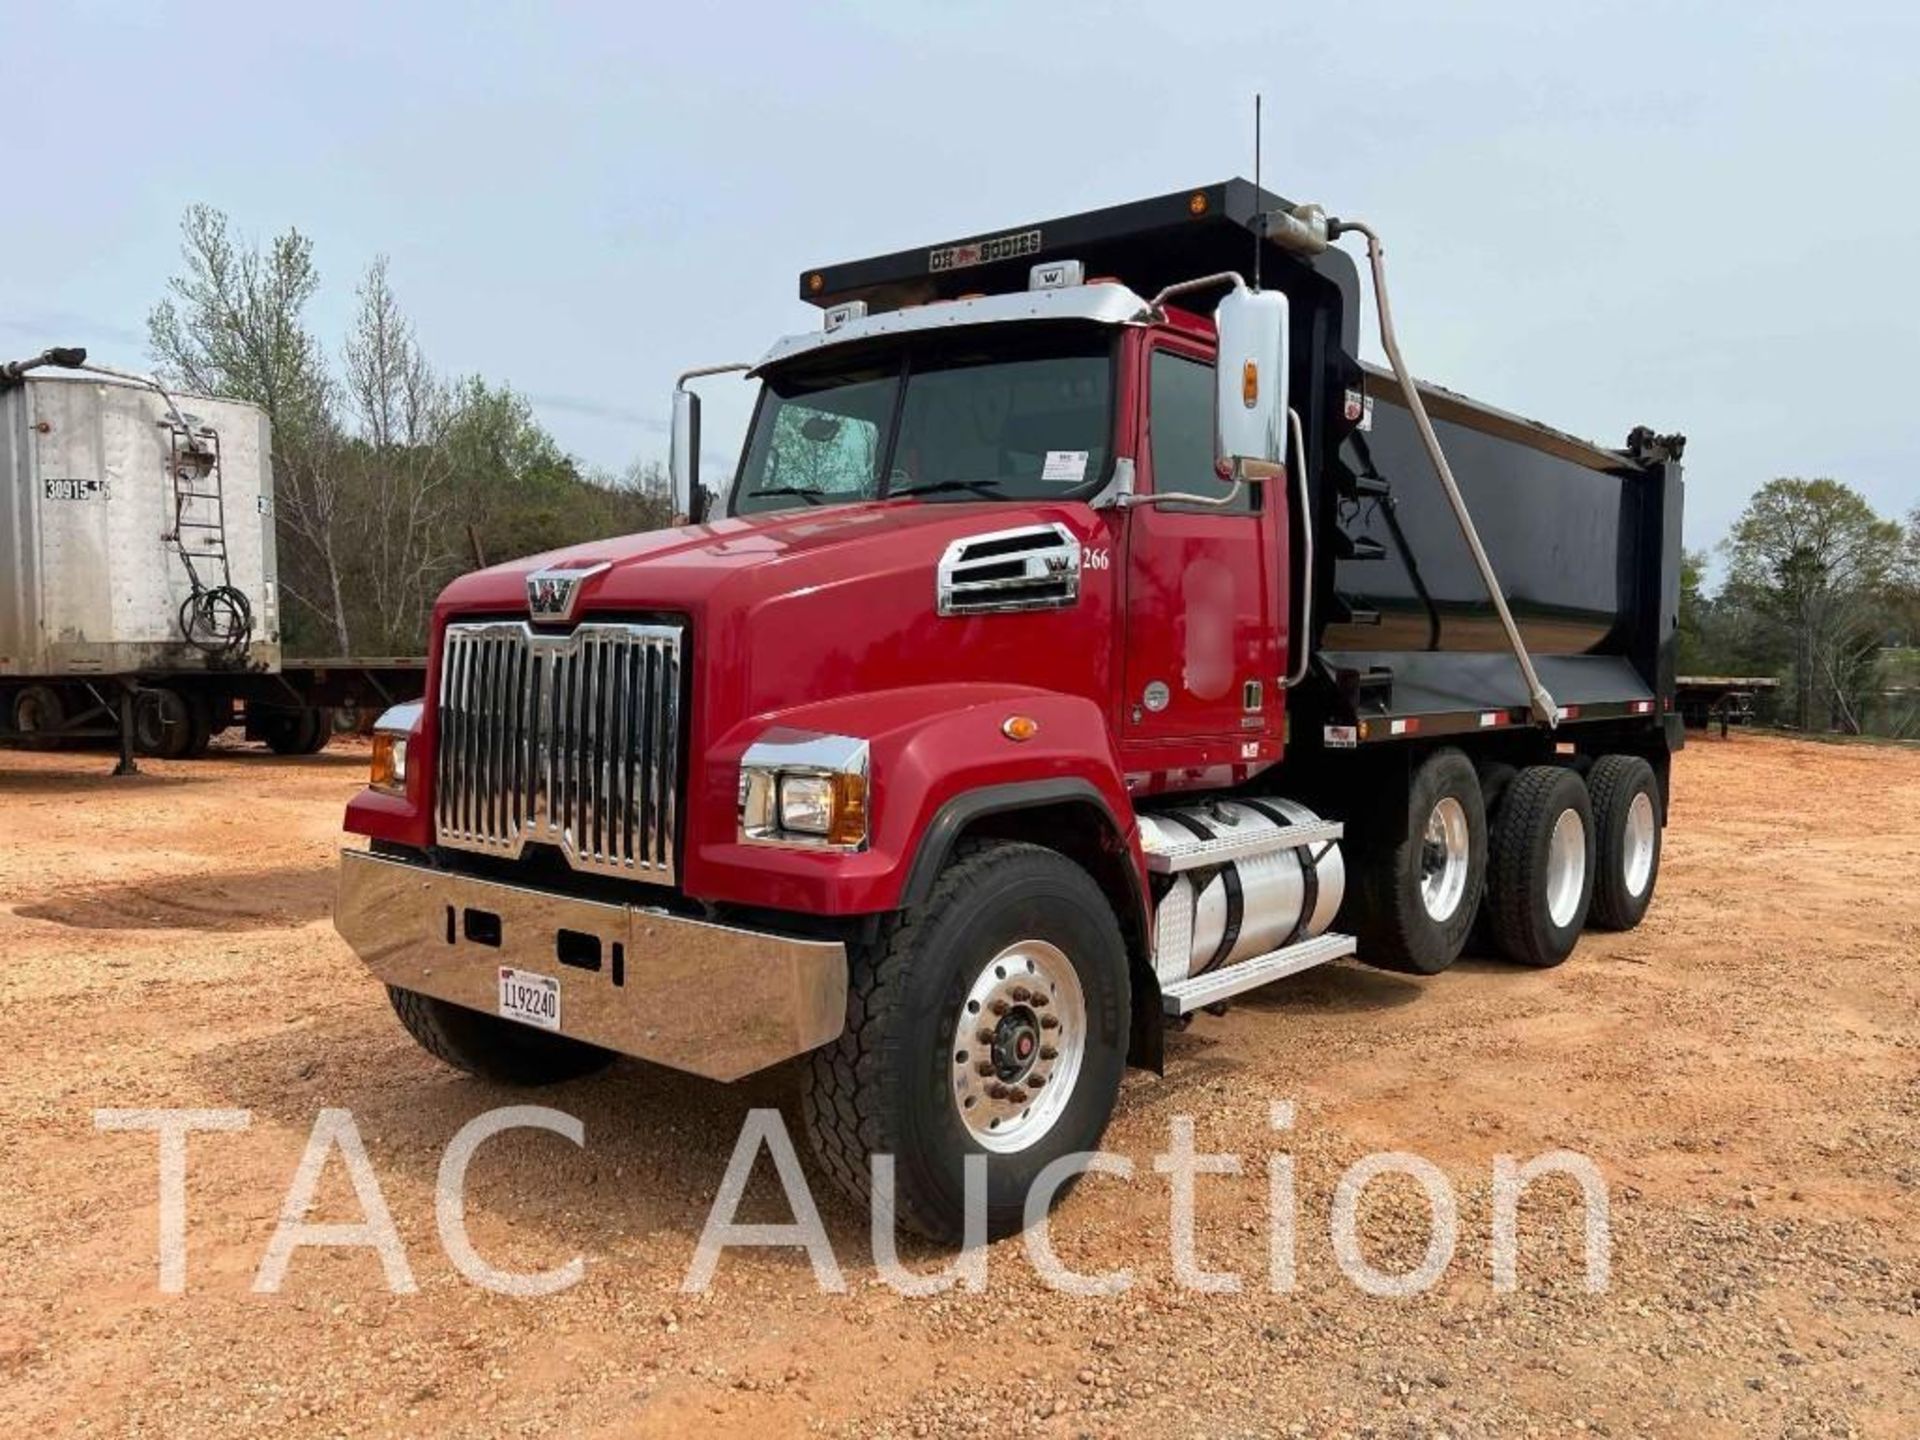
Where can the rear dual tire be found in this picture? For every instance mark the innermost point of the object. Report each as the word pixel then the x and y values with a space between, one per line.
pixel 1627 824
pixel 1540 866
pixel 1414 902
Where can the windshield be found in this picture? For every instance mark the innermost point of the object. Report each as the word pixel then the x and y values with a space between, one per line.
pixel 995 414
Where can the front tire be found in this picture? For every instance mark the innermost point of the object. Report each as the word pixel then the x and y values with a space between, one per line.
pixel 1415 901
pixel 1540 869
pixel 1626 822
pixel 492 1048
pixel 948 1051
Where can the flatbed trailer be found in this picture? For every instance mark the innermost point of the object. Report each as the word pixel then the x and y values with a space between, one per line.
pixel 292 709
pixel 1705 700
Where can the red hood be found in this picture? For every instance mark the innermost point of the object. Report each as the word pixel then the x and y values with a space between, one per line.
pixel 803 605
pixel 679 568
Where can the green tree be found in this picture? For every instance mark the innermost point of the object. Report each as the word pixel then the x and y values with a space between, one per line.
pixel 389 480
pixel 1812 559
pixel 234 325
pixel 1692 657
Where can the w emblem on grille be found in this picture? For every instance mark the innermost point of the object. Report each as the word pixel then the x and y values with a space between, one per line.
pixel 551 592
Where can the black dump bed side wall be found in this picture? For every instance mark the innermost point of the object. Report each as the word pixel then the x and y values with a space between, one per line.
pixel 1573 543
pixel 1586 541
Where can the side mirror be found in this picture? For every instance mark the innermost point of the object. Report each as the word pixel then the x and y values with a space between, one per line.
pixel 1250 384
pixel 683 462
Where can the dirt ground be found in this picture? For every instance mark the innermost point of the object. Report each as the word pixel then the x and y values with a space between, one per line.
pixel 1744 1069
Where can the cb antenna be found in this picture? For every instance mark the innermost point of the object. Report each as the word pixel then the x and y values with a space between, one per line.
pixel 1260 229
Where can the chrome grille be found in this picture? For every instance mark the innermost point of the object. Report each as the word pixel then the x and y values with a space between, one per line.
pixel 568 739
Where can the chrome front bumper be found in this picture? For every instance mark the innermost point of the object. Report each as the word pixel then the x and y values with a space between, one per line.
pixel 711 999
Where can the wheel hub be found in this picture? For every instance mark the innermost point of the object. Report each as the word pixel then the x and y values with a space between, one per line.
pixel 1018 1043
pixel 1445 852
pixel 1566 866
pixel 1636 851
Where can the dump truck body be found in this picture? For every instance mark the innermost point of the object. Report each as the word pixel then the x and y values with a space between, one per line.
pixel 1081 641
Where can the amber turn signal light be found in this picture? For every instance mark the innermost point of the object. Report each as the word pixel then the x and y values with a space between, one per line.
pixel 849 823
pixel 389 766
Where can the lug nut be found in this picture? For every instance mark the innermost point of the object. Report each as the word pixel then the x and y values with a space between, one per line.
pixel 983 1035
pixel 1034 1082
pixel 1037 1000
pixel 985 1067
pixel 996 1091
pixel 1049 1022
pixel 1017 1096
pixel 998 1007
pixel 1047 1052
pixel 1019 993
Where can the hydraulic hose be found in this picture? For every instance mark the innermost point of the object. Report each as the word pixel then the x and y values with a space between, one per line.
pixel 1542 703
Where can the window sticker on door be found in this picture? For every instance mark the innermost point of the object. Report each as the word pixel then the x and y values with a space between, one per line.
pixel 1065 467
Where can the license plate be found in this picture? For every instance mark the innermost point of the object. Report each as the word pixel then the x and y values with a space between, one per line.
pixel 529 998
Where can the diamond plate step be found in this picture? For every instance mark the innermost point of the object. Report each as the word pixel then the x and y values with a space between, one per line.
pixel 1191 855
pixel 1182 996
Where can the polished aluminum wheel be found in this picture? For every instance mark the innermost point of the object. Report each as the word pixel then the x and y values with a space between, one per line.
pixel 1445 853
pixel 1018 1044
pixel 1636 845
pixel 1566 867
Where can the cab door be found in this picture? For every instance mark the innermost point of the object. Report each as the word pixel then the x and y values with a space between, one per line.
pixel 1205 625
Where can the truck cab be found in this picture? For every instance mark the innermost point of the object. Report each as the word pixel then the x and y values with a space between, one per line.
pixel 982 725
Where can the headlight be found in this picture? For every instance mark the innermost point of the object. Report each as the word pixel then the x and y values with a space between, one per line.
pixel 390 733
pixel 802 788
pixel 806 803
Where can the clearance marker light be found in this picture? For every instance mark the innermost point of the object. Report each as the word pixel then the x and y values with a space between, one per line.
pixel 1197 203
pixel 1250 384
pixel 1020 727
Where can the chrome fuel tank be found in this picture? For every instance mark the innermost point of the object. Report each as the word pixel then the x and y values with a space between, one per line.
pixel 1248 906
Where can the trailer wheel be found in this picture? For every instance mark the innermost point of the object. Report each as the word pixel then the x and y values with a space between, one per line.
pixel 492 1048
pixel 199 727
pixel 1540 866
pixel 1626 824
pixel 162 723
pixel 1416 900
pixel 38 715
pixel 991 1021
pixel 321 735
pixel 294 732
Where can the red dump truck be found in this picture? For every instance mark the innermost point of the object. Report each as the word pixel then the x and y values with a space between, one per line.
pixel 1085 637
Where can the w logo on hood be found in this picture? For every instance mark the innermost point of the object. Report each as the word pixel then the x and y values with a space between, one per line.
pixel 551 592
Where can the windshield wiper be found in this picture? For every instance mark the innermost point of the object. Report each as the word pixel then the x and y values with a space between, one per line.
pixel 935 487
pixel 811 496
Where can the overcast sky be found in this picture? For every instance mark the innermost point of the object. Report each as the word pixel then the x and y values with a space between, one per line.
pixel 1701 217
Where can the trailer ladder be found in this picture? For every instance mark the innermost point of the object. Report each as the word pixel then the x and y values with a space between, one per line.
pixel 216 617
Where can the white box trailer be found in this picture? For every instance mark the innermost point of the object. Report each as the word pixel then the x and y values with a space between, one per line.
pixel 118 506
pixel 139 596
